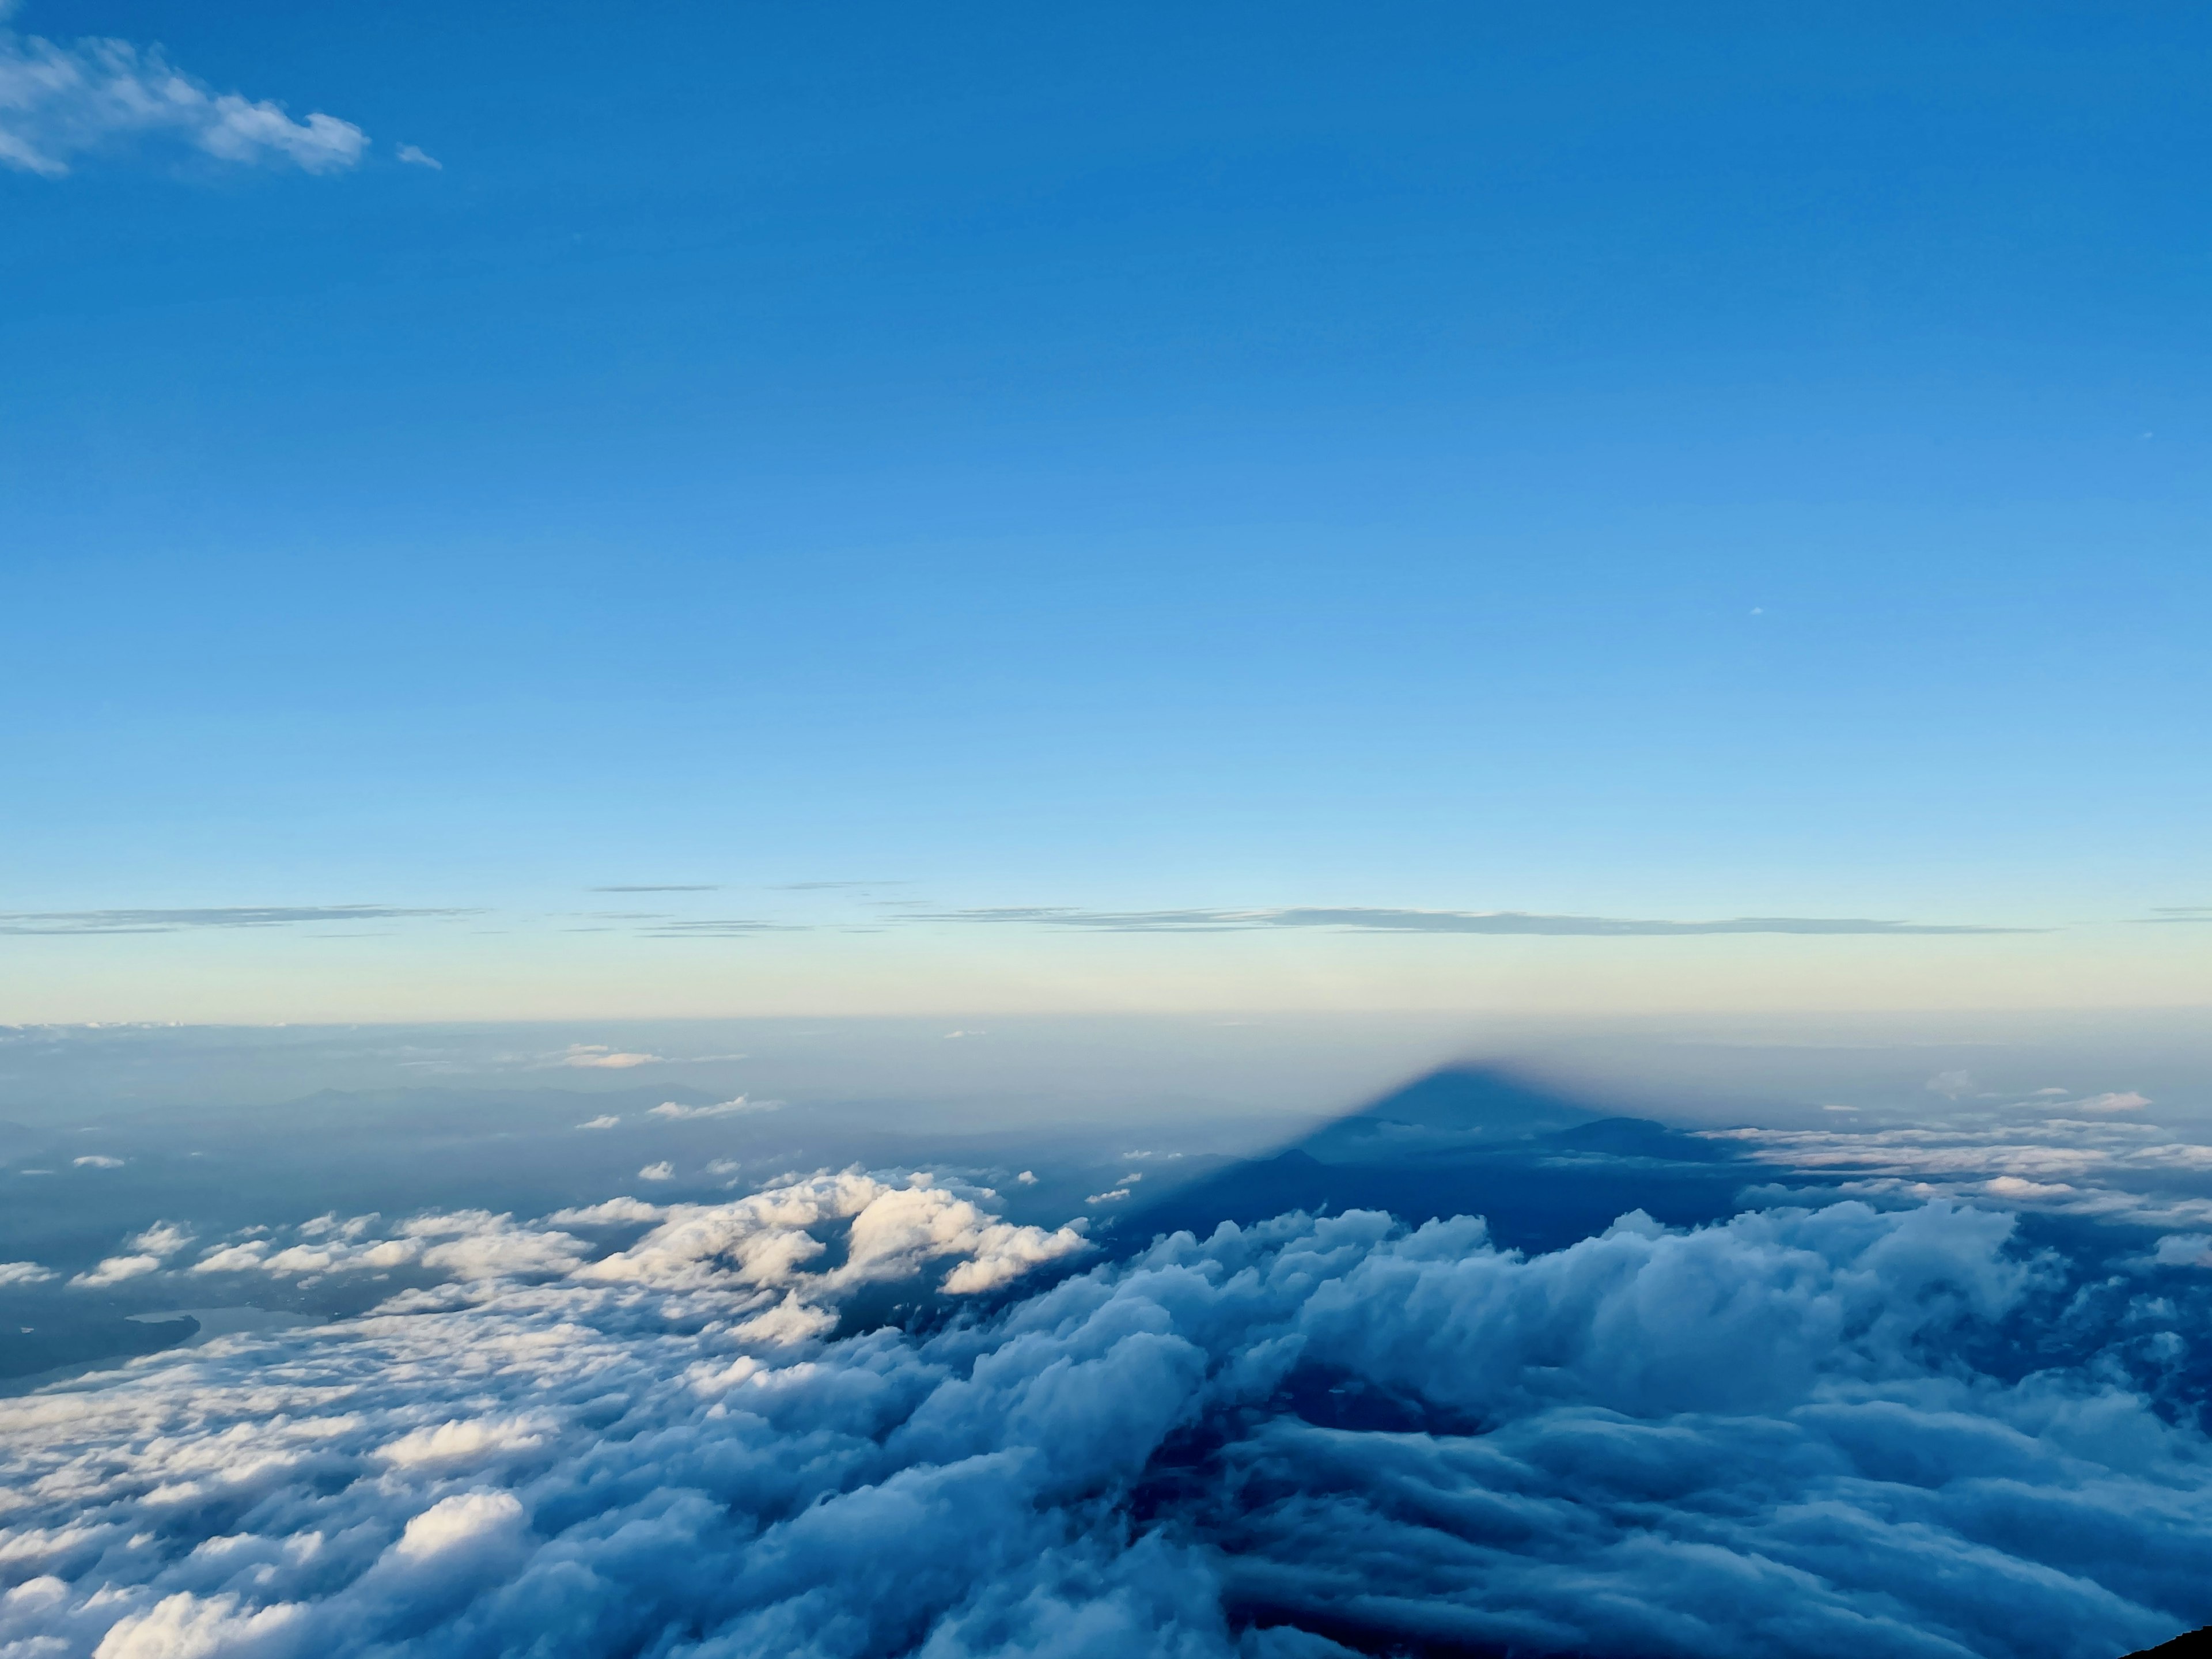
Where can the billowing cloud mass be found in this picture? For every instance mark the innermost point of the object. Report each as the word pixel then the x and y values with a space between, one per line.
pixel 59 102
pixel 1800 1432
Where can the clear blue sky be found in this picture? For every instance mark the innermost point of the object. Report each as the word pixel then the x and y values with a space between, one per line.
pixel 1670 465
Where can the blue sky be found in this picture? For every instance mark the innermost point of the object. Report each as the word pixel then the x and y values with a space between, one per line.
pixel 1116 461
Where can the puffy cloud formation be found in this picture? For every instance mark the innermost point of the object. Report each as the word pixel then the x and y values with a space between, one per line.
pixel 145 1254
pixel 1757 1437
pixel 58 102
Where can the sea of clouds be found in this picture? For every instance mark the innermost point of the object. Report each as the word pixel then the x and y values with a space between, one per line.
pixel 637 1429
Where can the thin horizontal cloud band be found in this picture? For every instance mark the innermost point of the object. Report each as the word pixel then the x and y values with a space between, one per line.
pixel 240 916
pixel 1379 920
pixel 1343 919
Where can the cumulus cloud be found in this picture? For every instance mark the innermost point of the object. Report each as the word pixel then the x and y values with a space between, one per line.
pixel 25 1272
pixel 1765 1435
pixel 466 1246
pixel 114 1269
pixel 604 1120
pixel 663 1170
pixel 97 1160
pixel 143 1254
pixel 416 155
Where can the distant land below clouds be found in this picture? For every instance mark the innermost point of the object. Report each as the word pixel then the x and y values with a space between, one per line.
pixel 1378 920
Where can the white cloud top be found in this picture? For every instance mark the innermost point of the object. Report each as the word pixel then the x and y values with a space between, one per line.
pixel 1757 1437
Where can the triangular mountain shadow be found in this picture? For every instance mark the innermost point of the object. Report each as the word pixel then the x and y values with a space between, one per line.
pixel 1545 1169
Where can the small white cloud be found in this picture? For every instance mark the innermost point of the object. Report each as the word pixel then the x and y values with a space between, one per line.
pixel 663 1170
pixel 163 1238
pixel 2129 1101
pixel 1113 1197
pixel 674 1111
pixel 114 1270
pixel 614 1212
pixel 604 1120
pixel 2014 1187
pixel 608 1059
pixel 416 156
pixel 97 1160
pixel 25 1272
pixel 1027 1178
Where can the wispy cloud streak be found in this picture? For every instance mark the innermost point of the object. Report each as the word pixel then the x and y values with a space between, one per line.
pixel 1369 920
pixel 59 102
pixel 24 923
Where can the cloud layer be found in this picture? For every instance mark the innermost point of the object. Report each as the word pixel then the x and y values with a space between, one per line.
pixel 61 102
pixel 1756 1438
pixel 1368 920
pixel 235 915
pixel 2088 1157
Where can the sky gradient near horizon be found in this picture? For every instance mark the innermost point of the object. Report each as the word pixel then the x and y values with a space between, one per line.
pixel 518 512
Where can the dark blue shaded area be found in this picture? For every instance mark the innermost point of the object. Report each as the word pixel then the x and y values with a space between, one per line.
pixel 1544 1171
